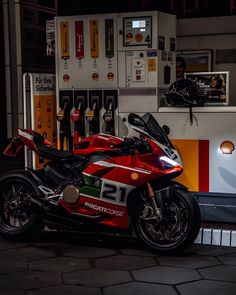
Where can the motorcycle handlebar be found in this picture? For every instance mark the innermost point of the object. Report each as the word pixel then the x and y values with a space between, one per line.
pixel 131 143
pixel 128 142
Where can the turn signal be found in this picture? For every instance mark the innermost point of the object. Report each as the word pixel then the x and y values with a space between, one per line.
pixel 168 163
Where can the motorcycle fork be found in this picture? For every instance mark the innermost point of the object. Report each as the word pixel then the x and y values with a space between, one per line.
pixel 151 196
pixel 157 200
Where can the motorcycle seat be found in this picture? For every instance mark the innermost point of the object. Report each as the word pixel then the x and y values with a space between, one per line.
pixel 51 153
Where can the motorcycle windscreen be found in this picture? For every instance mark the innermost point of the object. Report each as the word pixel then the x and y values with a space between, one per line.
pixel 13 148
pixel 155 130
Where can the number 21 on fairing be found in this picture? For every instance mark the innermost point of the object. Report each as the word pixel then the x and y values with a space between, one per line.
pixel 114 192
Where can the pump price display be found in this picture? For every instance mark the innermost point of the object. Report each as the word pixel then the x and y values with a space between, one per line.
pixel 137 31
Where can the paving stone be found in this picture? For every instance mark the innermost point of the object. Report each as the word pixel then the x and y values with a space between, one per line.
pixel 166 275
pixel 74 262
pixel 60 264
pixel 228 258
pixel 26 254
pixel 12 266
pixel 62 290
pixel 191 261
pixel 206 287
pixel 12 292
pixel 95 277
pixel 138 252
pixel 210 250
pixel 50 245
pixel 28 280
pixel 89 252
pixel 124 262
pixel 221 273
pixel 136 288
pixel 6 245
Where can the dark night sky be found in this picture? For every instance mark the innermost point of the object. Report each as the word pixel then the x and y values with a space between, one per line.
pixel 68 7
pixel 75 7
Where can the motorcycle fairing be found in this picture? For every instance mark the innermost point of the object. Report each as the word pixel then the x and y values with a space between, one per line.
pixel 169 150
pixel 110 214
pixel 102 199
pixel 26 137
pixel 14 147
pixel 107 190
pixel 97 143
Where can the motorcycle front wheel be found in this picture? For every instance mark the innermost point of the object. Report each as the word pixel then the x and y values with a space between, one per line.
pixel 178 228
pixel 18 214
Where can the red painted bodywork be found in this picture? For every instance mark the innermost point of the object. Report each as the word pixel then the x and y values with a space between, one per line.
pixel 19 141
pixel 97 143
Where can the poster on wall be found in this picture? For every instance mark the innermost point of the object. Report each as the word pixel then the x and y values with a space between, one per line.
pixel 40 111
pixel 214 86
pixel 44 110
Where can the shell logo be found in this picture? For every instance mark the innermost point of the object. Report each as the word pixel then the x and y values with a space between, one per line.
pixel 227 147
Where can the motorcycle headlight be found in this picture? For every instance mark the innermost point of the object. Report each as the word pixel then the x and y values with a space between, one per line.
pixel 168 163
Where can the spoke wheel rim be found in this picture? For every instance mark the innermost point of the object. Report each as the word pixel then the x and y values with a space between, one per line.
pixel 15 205
pixel 169 232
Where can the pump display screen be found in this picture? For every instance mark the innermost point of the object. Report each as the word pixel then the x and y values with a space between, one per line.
pixel 137 31
pixel 138 24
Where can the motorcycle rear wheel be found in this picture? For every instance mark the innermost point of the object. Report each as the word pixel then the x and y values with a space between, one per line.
pixel 174 233
pixel 18 215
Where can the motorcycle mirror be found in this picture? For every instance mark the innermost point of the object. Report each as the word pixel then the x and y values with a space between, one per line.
pixel 135 120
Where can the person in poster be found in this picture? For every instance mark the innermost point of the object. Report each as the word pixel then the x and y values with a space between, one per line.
pixel 216 91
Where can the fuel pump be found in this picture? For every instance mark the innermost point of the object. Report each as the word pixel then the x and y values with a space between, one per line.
pixel 63 116
pixel 93 114
pixel 110 105
pixel 78 115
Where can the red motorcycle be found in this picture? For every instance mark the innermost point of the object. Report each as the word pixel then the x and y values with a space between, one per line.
pixel 106 184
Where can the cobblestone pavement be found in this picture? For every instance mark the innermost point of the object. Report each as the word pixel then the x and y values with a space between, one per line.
pixel 68 263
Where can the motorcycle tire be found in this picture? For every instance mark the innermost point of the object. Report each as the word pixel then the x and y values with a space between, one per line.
pixel 19 216
pixel 176 231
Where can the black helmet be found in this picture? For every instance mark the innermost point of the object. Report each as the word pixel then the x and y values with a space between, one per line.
pixel 185 93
